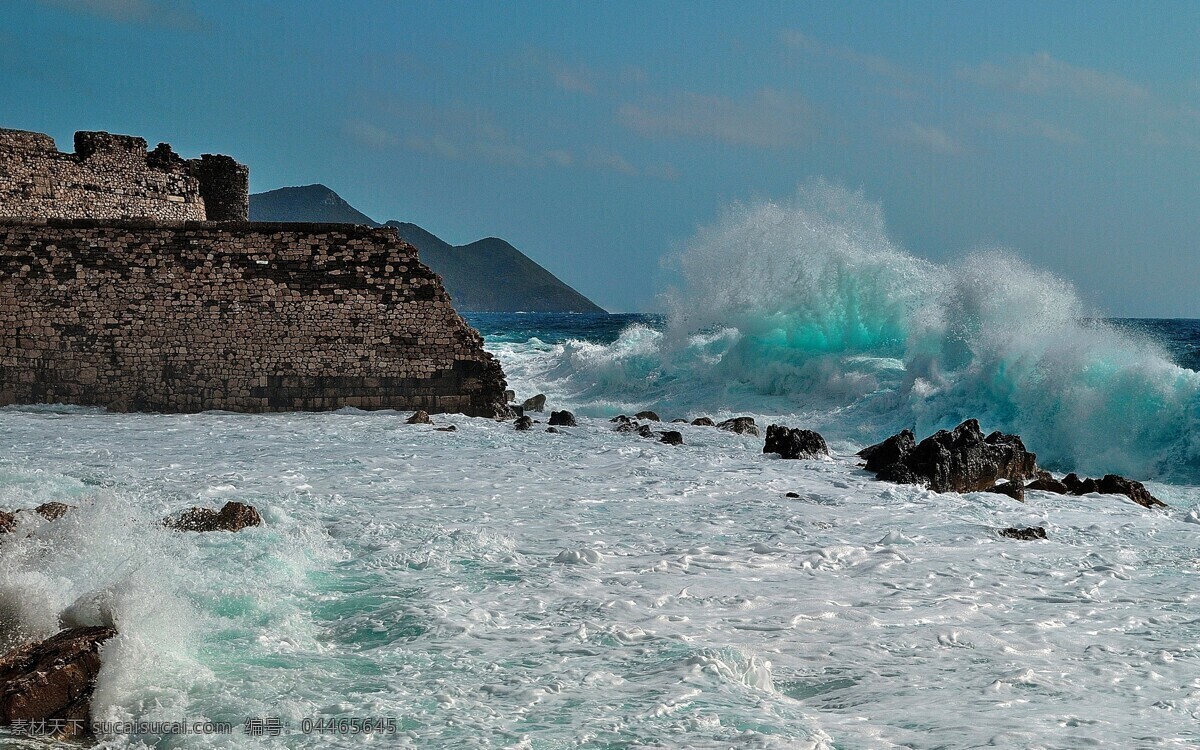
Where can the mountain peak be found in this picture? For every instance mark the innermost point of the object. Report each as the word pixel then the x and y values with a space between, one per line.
pixel 306 203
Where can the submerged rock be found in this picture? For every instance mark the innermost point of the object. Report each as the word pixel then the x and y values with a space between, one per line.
pixel 1027 534
pixel 679 421
pixel 792 494
pixel 628 425
pixel 671 437
pixel 53 680
pixel 962 460
pixel 703 422
pixel 794 443
pixel 621 419
pixel 644 430
pixel 523 423
pixel 554 430
pixel 448 428
pixel 419 417
pixel 647 415
pixel 537 403
pixel 52 511
pixel 562 418
pixel 233 516
pixel 740 425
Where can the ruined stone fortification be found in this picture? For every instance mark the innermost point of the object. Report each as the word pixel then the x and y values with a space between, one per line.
pixel 114 177
pixel 175 315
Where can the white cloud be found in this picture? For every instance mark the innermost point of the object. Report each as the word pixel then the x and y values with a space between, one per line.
pixel 1042 74
pixel 765 119
pixel 926 136
pixel 876 64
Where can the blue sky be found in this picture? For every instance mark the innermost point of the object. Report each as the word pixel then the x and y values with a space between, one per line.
pixel 597 137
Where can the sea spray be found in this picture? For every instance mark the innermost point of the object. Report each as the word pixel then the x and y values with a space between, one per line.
pixel 806 307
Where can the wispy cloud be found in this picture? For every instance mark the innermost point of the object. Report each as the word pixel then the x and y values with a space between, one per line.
pixel 765 119
pixel 1043 74
pixel 369 135
pixel 876 64
pixel 928 137
pixel 175 14
pixel 1032 127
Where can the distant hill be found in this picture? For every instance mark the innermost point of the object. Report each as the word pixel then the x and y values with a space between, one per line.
pixel 489 275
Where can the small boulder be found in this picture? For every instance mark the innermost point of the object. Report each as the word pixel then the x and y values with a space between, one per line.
pixel 703 422
pixel 789 443
pixel 1015 490
pixel 1027 534
pixel 8 522
pixel 554 430
pixel 562 418
pixel 671 437
pixel 740 425
pixel 1045 482
pixel 523 423
pixel 649 416
pixel 419 417
pixel 679 421
pixel 627 426
pixel 52 511
pixel 621 419
pixel 53 680
pixel 510 396
pixel 537 403
pixel 233 516
pixel 644 430
pixel 792 494
pixel 448 428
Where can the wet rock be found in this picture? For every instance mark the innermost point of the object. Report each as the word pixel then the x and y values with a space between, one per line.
pixel 1027 534
pixel 792 494
pixel 523 423
pixel 52 511
pixel 671 437
pixel 1045 482
pixel 1015 490
pixel 510 396
pixel 679 421
pixel 621 419
pixel 537 403
pixel 962 460
pixel 740 425
pixel 448 428
pixel 562 418
pixel 419 417
pixel 1113 484
pixel 554 430
pixel 627 426
pixel 233 516
pixel 8 522
pixel 53 680
pixel 644 430
pixel 794 443
pixel 649 416
pixel 703 422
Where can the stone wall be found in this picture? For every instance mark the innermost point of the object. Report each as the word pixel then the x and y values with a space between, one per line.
pixel 189 316
pixel 113 177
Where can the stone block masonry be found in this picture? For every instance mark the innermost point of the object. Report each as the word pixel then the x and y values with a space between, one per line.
pixel 114 177
pixel 185 316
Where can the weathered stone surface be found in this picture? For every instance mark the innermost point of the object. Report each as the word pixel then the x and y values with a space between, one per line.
pixel 1015 490
pixel 1113 484
pixel 703 422
pixel 740 425
pixel 52 511
pixel 1045 482
pixel 671 437
pixel 419 417
pixel 794 443
pixel 233 516
pixel 962 460
pixel 8 522
pixel 562 418
pixel 53 680
pixel 1027 534
pixel 510 396
pixel 523 423
pixel 647 415
pixel 537 403
pixel 184 317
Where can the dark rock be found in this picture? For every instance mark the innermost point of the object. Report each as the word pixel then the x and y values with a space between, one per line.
pixel 52 511
pixel 8 522
pixel 628 425
pixel 621 418
pixel 1045 482
pixel 1112 484
pixel 679 421
pixel 562 418
pixel 554 430
pixel 233 516
pixel 647 415
pixel 523 423
pixel 448 428
pixel 671 437
pixel 53 680
pixel 792 494
pixel 740 425
pixel 537 403
pixel 419 417
pixel 644 431
pixel 510 396
pixel 1027 534
pixel 962 460
pixel 1015 490
pixel 516 411
pixel 797 443
pixel 703 422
